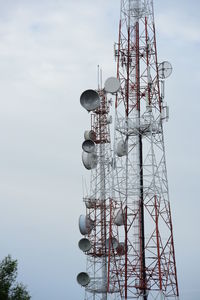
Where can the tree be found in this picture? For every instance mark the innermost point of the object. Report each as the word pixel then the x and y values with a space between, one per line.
pixel 9 288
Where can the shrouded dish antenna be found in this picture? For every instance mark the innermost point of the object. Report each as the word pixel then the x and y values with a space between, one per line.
pixel 89 160
pixel 112 85
pixel 89 135
pixel 120 218
pixel 83 279
pixel 121 148
pixel 164 69
pixel 90 100
pixel 84 245
pixel 88 146
pixel 85 224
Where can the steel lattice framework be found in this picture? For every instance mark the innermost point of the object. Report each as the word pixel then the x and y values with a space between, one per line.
pixel 131 253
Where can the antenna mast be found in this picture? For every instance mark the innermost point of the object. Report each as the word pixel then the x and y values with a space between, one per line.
pixel 128 224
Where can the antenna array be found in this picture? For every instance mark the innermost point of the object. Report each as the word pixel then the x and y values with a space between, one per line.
pixel 127 228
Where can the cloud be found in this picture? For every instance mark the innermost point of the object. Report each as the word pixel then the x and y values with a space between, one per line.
pixel 179 25
pixel 49 51
pixel 44 46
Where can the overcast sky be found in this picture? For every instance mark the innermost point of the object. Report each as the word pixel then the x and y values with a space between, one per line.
pixel 49 52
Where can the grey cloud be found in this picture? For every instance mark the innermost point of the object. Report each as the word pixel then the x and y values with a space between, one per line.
pixel 49 51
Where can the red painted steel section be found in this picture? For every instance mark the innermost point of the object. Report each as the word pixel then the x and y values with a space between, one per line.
pixel 109 247
pixel 156 269
pixel 173 250
pixel 137 67
pixel 128 74
pixel 158 243
pixel 126 255
pixel 118 56
pixel 156 56
pixel 147 55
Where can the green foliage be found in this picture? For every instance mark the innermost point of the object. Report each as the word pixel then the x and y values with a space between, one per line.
pixel 9 288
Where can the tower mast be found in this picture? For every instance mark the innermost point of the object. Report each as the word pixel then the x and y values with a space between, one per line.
pixel 148 269
pixel 128 234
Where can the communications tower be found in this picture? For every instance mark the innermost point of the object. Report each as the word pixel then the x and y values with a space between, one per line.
pixel 128 226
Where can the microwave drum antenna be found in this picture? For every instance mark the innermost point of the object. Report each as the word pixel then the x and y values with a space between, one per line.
pixel 112 85
pixel 90 100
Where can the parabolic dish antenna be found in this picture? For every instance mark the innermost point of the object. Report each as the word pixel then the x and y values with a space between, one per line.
pixel 89 135
pixel 90 100
pixel 85 224
pixel 83 279
pixel 164 69
pixel 89 160
pixel 84 245
pixel 112 85
pixel 88 146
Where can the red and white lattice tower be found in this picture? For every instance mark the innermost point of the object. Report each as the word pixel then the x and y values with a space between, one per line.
pixel 94 225
pixel 128 226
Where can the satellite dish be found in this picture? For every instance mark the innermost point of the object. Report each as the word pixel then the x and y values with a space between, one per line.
pixel 121 148
pixel 164 69
pixel 112 85
pixel 90 100
pixel 120 218
pixel 85 224
pixel 83 279
pixel 89 160
pixel 84 245
pixel 88 146
pixel 90 135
